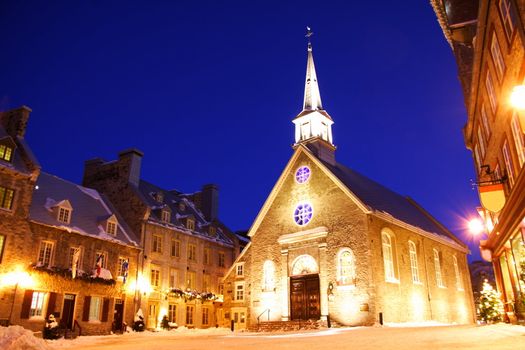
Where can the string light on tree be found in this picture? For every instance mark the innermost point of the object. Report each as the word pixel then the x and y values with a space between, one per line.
pixel 490 305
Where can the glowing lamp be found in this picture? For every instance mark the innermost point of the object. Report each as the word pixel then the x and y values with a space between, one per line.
pixel 517 97
pixel 476 227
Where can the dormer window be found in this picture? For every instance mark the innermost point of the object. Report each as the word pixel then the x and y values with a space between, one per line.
pixel 64 215
pixel 159 197
pixel 6 153
pixel 165 216
pixel 212 231
pixel 182 206
pixel 190 224
pixel 111 228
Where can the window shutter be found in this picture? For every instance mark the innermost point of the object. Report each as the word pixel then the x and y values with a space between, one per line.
pixel 85 311
pixel 26 304
pixel 105 310
pixel 51 304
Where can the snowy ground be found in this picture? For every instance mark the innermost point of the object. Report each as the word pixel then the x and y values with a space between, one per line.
pixel 500 336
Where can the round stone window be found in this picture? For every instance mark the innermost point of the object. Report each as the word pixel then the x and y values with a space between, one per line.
pixel 303 214
pixel 302 174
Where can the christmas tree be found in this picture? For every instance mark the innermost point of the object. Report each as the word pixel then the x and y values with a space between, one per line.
pixel 490 305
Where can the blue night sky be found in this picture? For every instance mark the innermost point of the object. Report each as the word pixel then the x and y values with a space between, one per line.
pixel 208 89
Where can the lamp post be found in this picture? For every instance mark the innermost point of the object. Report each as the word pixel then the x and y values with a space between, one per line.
pixel 517 97
pixel 13 304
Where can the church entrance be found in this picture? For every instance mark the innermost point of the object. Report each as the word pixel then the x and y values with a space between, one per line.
pixel 304 297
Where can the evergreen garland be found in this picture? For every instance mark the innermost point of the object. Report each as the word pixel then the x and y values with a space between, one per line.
pixel 66 273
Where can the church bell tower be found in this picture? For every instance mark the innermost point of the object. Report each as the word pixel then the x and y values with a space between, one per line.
pixel 313 126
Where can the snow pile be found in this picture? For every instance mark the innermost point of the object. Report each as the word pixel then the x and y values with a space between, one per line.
pixel 19 338
pixel 417 324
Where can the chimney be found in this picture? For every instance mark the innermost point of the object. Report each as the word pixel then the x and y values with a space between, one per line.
pixel 15 121
pixel 132 159
pixel 210 201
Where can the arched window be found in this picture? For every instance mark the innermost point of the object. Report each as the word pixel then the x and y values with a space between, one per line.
pixel 459 282
pixel 346 274
pixel 413 262
pixel 437 266
pixel 388 257
pixel 304 265
pixel 268 276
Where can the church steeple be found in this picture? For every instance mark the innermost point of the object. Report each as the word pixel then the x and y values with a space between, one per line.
pixel 313 126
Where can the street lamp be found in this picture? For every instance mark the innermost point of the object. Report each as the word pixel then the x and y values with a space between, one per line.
pixel 517 97
pixel 476 227
pixel 18 277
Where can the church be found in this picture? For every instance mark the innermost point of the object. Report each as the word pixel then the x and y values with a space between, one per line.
pixel 331 246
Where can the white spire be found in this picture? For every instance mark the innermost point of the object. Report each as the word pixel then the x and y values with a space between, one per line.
pixel 312 97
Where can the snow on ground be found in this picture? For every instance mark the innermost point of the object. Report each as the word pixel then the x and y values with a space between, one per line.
pixel 19 338
pixel 492 337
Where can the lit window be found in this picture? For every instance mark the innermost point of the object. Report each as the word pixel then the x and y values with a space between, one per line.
pixel 175 248
pixel 206 282
pixel 102 257
pixel 205 315
pixel 305 131
pixel 413 262
pixel 172 313
pixel 155 276
pixel 239 270
pixel 239 291
pixel 437 266
pixel 346 274
pixel 2 244
pixel 489 85
pixel 189 315
pixel 165 216
pixel 64 215
pixel 206 256
pixel 497 57
pixel 507 17
pixel 174 278
pixel 45 253
pixel 481 142
pixel 192 252
pixel 157 244
pixel 37 304
pixel 518 138
pixel 221 289
pixel 304 265
pixel 485 121
pixel 302 174
pixel 303 214
pixel 268 276
pixel 508 163
pixel 190 224
pixel 6 198
pixel 121 269
pixel 221 259
pixel 111 228
pixel 190 280
pixel 6 153
pixel 212 231
pixel 94 308
pixel 388 257
pixel 78 258
pixel 459 282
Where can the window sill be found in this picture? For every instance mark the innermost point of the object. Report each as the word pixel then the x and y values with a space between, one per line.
pixel 418 283
pixel 394 281
pixel 442 287
pixel 36 319
pixel 346 287
pixel 94 321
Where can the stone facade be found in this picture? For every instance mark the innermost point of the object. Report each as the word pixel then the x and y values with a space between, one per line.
pixel 340 222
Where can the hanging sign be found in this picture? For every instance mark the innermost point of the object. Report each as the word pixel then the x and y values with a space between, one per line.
pixel 492 197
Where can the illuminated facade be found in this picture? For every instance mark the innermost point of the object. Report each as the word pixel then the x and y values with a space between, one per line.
pixel 487 39
pixel 330 243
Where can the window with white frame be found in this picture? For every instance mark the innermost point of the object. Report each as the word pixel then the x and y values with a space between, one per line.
pixel 190 224
pixel 6 153
pixel 437 267
pixel 509 167
pixel 485 121
pixel 414 268
pixel 175 248
pixel 346 273
pixel 120 266
pixel 172 313
pixel 45 253
pixel 459 282
pixel 64 215
pixel 205 316
pixel 206 256
pixel 174 278
pixel 189 314
pixel 239 270
pixel 94 308
pixel 102 257
pixel 37 304
pixel 507 17
pixel 165 216
pixel 388 257
pixel 206 282
pixel 268 276
pixel 6 198
pixel 111 227
pixel 497 57
pixel 518 138
pixel 481 142
pixel 192 252
pixel 239 291
pixel 156 244
pixel 75 253
pixel 491 93
pixel 221 260
pixel 191 279
pixel 155 276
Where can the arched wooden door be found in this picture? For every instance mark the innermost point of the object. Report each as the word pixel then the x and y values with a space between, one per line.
pixel 304 297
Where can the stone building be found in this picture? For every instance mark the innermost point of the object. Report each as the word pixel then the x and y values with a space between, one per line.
pixel 487 39
pixel 65 250
pixel 329 243
pixel 187 249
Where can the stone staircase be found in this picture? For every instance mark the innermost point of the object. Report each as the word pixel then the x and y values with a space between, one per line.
pixel 286 326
